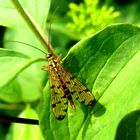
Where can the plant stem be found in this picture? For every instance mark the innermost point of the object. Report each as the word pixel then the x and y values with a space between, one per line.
pixel 33 26
pixel 18 120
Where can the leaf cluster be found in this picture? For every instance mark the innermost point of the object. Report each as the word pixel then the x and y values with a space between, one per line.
pixel 107 62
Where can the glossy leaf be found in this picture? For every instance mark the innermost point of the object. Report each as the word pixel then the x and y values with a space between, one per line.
pixel 108 63
pixel 30 80
pixel 12 64
pixel 39 10
pixel 8 59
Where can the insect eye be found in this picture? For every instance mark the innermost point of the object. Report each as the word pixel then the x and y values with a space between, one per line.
pixel 49 55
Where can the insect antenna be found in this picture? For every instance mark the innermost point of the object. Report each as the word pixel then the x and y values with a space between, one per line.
pixel 49 25
pixel 14 41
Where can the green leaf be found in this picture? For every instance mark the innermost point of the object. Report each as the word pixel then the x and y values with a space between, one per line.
pixel 8 59
pixel 25 37
pixel 12 64
pixel 24 131
pixel 31 80
pixel 11 93
pixel 39 10
pixel 108 63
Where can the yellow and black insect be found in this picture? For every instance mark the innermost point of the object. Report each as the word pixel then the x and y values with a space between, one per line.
pixel 63 87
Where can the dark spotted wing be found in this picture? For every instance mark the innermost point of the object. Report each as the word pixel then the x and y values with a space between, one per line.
pixel 76 88
pixel 59 101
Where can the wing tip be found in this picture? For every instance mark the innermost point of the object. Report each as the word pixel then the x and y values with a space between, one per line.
pixel 91 102
pixel 60 117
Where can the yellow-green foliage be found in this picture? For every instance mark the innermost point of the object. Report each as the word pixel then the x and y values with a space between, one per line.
pixel 88 17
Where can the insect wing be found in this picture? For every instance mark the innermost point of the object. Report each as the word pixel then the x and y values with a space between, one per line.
pixel 77 89
pixel 59 101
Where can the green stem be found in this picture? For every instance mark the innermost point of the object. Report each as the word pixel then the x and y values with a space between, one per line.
pixel 24 67
pixel 34 26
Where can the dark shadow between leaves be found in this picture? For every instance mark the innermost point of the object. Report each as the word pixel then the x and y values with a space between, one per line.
pixel 97 111
pixel 129 127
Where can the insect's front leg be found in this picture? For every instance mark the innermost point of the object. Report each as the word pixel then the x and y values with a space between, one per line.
pixel 45 67
pixel 59 58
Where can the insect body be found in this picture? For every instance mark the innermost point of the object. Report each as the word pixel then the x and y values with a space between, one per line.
pixel 63 86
